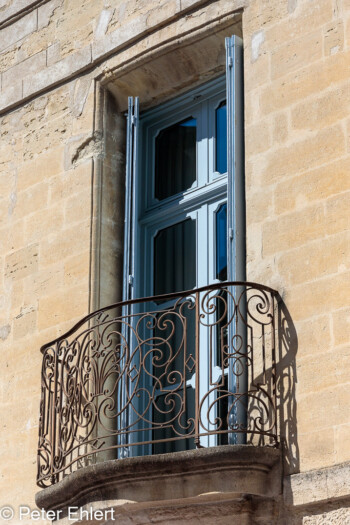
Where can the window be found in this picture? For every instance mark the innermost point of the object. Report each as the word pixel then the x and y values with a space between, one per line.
pixel 182 191
pixel 184 215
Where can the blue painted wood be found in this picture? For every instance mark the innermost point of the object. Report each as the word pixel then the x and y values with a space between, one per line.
pixel 145 215
pixel 130 198
pixel 236 213
pixel 129 240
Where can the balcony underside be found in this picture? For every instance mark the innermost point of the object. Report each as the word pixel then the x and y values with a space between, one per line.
pixel 225 472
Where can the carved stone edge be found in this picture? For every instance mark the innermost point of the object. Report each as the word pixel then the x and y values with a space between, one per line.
pixel 228 469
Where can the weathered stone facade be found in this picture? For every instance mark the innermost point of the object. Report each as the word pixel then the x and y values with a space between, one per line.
pixel 66 68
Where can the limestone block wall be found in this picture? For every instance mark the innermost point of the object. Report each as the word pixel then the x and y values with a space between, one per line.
pixel 57 58
pixel 297 91
pixel 45 259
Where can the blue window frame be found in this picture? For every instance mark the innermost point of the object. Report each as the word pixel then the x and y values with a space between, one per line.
pixel 177 224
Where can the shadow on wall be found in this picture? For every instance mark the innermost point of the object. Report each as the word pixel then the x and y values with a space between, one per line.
pixel 285 384
pixel 271 363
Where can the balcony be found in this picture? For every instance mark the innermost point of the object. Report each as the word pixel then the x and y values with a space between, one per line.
pixel 158 375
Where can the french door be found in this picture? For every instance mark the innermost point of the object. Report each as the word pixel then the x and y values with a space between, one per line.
pixel 180 231
pixel 182 228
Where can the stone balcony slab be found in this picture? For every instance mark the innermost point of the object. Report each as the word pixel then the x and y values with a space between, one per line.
pixel 229 471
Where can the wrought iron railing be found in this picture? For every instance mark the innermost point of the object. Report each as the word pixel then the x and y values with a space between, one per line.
pixel 160 374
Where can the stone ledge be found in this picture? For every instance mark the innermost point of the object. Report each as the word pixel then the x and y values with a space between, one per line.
pixel 26 25
pixel 225 470
pixel 317 486
pixel 18 9
pixel 93 55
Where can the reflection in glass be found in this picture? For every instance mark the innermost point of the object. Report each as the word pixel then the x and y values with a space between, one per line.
pixel 171 426
pixel 221 138
pixel 173 365
pixel 175 258
pixel 221 243
pixel 175 159
pixel 174 345
pixel 222 362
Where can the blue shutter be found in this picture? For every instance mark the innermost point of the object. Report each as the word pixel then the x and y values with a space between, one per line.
pixel 129 250
pixel 236 258
pixel 235 161
pixel 130 198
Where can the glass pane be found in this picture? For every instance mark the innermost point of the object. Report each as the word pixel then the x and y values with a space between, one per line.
pixel 221 329
pixel 174 345
pixel 221 138
pixel 223 411
pixel 175 160
pixel 175 258
pixel 221 243
pixel 175 416
pixel 172 363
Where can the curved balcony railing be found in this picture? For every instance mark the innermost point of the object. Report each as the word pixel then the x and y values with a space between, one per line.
pixel 160 374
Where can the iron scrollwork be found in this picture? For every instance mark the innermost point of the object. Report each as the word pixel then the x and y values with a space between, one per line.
pixel 140 378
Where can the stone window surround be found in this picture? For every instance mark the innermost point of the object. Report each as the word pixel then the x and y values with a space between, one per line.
pixel 244 469
pixel 153 78
pixel 104 53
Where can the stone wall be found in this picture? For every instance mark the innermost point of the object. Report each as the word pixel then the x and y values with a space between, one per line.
pixel 45 244
pixel 297 164
pixel 57 59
